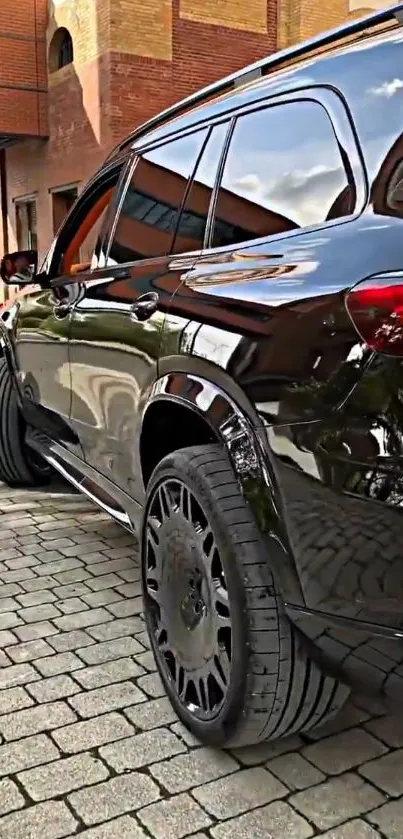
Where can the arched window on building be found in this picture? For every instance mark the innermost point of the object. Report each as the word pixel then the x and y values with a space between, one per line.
pixel 61 50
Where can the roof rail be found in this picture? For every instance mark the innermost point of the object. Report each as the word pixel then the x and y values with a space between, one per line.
pixel 258 68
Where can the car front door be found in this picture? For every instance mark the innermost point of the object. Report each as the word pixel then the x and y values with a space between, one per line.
pixel 116 326
pixel 42 325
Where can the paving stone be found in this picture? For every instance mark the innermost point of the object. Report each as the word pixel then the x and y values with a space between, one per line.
pixel 59 663
pixel 116 629
pixel 122 828
pixel 184 734
pixel 356 829
pixel 295 771
pixel 9 553
pixel 30 631
pixel 32 751
pixel 101 598
pixel 8 620
pixel 34 720
pixel 48 556
pixel 18 575
pixel 125 608
pixel 14 699
pixel 62 777
pixel 7 638
pixel 388 819
pixel 104 581
pixel 337 800
pixel 386 773
pixel 129 589
pixel 67 641
pixel 36 598
pixel 109 672
pixel 49 820
pixel 174 817
pixel 111 566
pixel 71 590
pixel 130 575
pixel 389 729
pixel 75 575
pixel 17 674
pixel 55 544
pixel 5 660
pixel 114 798
pixel 59 566
pixel 72 606
pixel 341 752
pixel 109 698
pixel 8 604
pixel 92 733
pixel 10 590
pixel 34 614
pixel 108 650
pixel 152 685
pixel 195 768
pixel 21 562
pixel 30 650
pixel 244 790
pixel 276 821
pixel 141 750
pixel 146 660
pixel 81 620
pixel 10 797
pixel 38 584
pixel 55 687
pixel 152 714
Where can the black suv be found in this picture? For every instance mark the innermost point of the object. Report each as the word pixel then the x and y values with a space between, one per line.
pixel 213 353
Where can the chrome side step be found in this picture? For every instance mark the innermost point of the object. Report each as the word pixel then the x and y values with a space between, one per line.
pixel 119 516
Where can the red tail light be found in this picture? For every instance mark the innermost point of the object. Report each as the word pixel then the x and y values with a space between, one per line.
pixel 376 309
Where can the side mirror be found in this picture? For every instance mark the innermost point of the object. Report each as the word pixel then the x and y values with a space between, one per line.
pixel 19 268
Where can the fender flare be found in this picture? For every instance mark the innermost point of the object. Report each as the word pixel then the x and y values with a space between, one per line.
pixel 248 452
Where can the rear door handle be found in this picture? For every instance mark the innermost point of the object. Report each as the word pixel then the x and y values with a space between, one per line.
pixel 145 306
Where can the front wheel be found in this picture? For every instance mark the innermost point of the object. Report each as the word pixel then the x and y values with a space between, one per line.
pixel 19 465
pixel 233 666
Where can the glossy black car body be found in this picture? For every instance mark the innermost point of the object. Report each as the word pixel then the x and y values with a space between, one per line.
pixel 249 344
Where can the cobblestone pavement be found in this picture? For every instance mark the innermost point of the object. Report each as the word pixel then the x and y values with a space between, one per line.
pixel 88 742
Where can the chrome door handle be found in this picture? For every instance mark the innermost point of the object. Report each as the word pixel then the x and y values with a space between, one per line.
pixel 145 306
pixel 62 309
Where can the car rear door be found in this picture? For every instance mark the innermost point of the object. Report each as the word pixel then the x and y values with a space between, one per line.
pixel 264 302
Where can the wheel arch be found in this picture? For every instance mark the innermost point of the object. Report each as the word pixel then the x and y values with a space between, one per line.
pixel 184 409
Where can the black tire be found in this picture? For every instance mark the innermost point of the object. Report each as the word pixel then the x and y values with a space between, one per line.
pixel 19 466
pixel 274 688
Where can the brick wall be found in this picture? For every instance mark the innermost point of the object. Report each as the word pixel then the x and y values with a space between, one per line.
pixel 23 73
pixel 131 59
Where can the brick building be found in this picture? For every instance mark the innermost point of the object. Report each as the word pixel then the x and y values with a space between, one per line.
pixel 77 75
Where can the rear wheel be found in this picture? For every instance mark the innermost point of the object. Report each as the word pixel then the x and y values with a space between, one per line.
pixel 19 465
pixel 235 669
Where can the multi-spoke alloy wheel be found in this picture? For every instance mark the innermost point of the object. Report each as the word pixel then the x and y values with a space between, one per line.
pixel 188 598
pixel 233 666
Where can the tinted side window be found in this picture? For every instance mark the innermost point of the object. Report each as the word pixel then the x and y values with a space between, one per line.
pixel 283 171
pixel 192 223
pixel 149 214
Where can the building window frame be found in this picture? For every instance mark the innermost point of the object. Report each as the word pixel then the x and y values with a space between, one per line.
pixel 26 222
pixel 61 50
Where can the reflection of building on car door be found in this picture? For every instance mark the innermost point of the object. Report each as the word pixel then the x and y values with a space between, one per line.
pixel 79 253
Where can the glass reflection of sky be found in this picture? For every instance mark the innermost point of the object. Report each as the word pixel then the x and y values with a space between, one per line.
pixel 275 163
